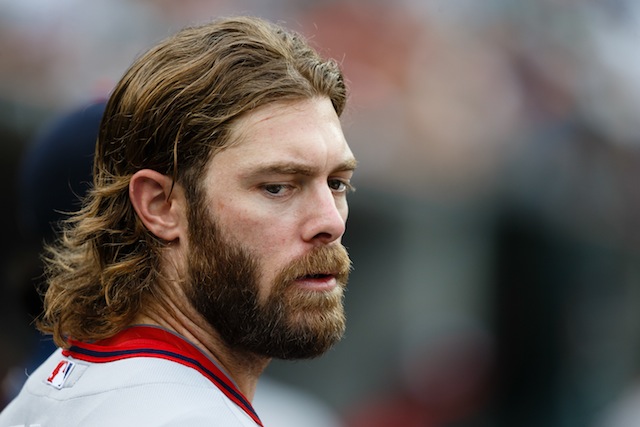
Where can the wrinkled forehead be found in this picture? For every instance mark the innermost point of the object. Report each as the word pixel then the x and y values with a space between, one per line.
pixel 307 131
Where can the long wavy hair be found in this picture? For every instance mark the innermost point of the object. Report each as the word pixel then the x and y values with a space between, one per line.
pixel 170 112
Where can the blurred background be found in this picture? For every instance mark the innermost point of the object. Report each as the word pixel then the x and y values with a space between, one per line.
pixel 495 231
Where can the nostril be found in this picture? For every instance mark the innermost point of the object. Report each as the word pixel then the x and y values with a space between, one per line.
pixel 324 236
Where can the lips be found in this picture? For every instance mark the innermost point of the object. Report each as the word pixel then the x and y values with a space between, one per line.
pixel 317 281
pixel 317 276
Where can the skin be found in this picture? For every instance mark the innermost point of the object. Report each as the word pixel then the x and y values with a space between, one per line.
pixel 280 189
pixel 283 188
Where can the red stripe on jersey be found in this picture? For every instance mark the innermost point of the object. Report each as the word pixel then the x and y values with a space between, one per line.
pixel 150 341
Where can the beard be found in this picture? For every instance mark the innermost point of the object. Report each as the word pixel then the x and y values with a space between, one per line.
pixel 291 322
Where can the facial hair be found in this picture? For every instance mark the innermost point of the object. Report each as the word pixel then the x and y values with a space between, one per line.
pixel 291 322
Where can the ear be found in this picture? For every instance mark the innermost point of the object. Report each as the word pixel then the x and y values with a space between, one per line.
pixel 158 205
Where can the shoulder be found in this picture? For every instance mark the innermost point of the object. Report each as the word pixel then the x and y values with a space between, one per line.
pixel 168 405
pixel 137 391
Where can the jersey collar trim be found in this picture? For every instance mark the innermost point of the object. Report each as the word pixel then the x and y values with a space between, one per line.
pixel 150 341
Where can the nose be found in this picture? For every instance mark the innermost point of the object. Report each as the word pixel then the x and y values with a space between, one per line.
pixel 325 218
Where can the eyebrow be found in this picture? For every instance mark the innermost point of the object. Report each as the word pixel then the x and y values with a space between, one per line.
pixel 295 168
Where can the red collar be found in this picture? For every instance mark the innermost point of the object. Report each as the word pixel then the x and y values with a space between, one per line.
pixel 150 341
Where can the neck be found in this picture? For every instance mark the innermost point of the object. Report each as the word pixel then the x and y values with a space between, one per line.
pixel 243 368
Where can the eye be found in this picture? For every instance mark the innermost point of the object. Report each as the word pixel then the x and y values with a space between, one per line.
pixel 340 186
pixel 276 189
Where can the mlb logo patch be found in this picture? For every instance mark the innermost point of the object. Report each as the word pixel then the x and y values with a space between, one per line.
pixel 60 374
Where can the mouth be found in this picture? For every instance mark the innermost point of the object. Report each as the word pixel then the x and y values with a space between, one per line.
pixel 318 281
pixel 316 276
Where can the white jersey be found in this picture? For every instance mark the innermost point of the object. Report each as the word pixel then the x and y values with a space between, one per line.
pixel 144 376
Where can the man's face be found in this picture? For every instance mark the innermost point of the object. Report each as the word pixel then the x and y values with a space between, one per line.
pixel 266 262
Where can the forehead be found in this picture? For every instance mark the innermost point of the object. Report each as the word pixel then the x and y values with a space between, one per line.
pixel 304 132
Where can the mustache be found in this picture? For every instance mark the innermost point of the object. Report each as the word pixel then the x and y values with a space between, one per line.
pixel 324 260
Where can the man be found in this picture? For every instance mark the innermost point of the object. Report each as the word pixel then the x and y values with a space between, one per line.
pixel 210 241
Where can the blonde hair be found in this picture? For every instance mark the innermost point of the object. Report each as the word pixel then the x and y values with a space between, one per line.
pixel 172 109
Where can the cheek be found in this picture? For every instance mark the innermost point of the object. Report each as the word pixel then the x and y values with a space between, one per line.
pixel 343 209
pixel 265 236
